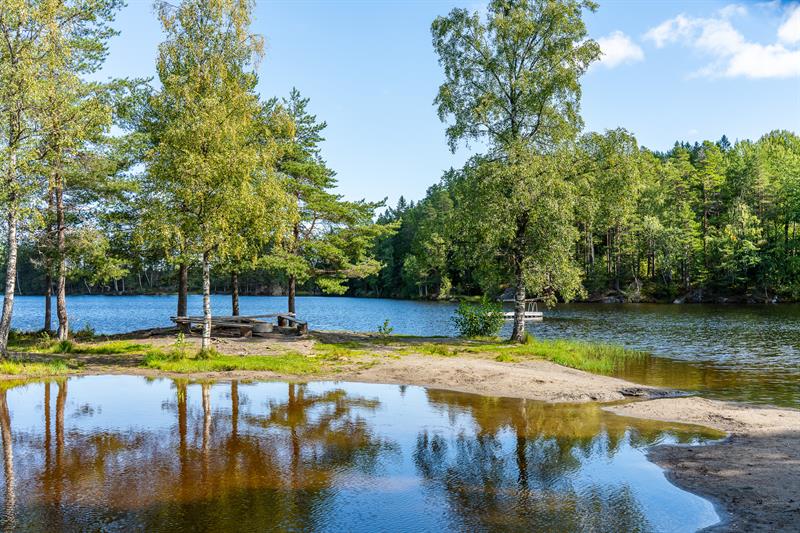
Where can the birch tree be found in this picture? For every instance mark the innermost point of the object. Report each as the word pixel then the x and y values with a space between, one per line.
pixel 207 164
pixel 35 36
pixel 512 81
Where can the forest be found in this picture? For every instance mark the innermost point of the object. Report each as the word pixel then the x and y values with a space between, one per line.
pixel 192 181
pixel 711 221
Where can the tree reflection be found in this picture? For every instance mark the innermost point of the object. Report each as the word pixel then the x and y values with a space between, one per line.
pixel 517 470
pixel 220 456
pixel 219 467
pixel 8 463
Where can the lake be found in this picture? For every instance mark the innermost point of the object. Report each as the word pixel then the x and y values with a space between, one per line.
pixel 128 453
pixel 738 352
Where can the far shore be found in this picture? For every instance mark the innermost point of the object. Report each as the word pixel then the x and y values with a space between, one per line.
pixel 603 299
pixel 751 476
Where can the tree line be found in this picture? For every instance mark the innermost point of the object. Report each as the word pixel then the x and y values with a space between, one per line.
pixel 150 185
pixel 703 222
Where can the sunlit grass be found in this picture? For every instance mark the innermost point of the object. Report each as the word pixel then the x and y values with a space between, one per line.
pixel 12 367
pixel 289 363
pixel 430 348
pixel 40 342
pixel 592 357
pixel 104 348
pixel 337 351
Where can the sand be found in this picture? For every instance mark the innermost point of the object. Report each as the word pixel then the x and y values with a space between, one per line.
pixel 753 476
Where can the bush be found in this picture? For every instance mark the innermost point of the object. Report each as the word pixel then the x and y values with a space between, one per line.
pixel 484 319
pixel 84 334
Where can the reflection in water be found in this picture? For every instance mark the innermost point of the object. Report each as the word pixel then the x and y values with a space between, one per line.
pixel 8 463
pixel 177 455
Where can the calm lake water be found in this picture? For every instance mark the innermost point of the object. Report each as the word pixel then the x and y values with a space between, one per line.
pixel 82 454
pixel 739 352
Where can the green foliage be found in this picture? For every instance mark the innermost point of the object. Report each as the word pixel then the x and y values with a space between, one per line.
pixel 637 224
pixel 84 334
pixel 513 80
pixel 484 319
pixel 384 330
pixel 330 240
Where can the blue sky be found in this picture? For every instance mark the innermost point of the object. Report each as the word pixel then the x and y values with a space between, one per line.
pixel 671 71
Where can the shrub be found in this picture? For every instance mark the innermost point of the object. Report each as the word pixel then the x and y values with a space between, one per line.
pixel 483 319
pixel 385 329
pixel 86 333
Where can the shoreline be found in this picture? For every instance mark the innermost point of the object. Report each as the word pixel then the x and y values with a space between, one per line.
pixel 729 300
pixel 751 476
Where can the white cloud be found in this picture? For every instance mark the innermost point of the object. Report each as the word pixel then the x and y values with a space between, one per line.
pixel 789 31
pixel 733 10
pixel 618 49
pixel 732 55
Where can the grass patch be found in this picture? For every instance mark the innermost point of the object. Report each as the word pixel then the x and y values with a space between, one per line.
pixel 30 369
pixel 104 348
pixel 591 357
pixel 338 351
pixel 289 363
pixel 506 358
pixel 431 348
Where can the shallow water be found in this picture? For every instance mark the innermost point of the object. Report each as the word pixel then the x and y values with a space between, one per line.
pixel 737 352
pixel 129 453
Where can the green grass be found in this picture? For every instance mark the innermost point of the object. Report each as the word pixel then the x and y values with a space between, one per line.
pixel 31 342
pixel 506 358
pixel 29 369
pixel 337 351
pixel 430 348
pixel 103 348
pixel 289 363
pixel 591 357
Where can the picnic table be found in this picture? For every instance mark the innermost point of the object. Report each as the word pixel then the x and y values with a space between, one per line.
pixel 248 325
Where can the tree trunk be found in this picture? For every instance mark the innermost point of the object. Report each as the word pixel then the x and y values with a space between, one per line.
pixel 61 245
pixel 292 292
pixel 11 273
pixel 206 341
pixel 183 294
pixel 235 293
pixel 48 301
pixel 518 333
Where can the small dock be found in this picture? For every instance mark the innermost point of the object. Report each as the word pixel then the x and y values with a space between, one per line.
pixel 247 325
pixel 532 313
